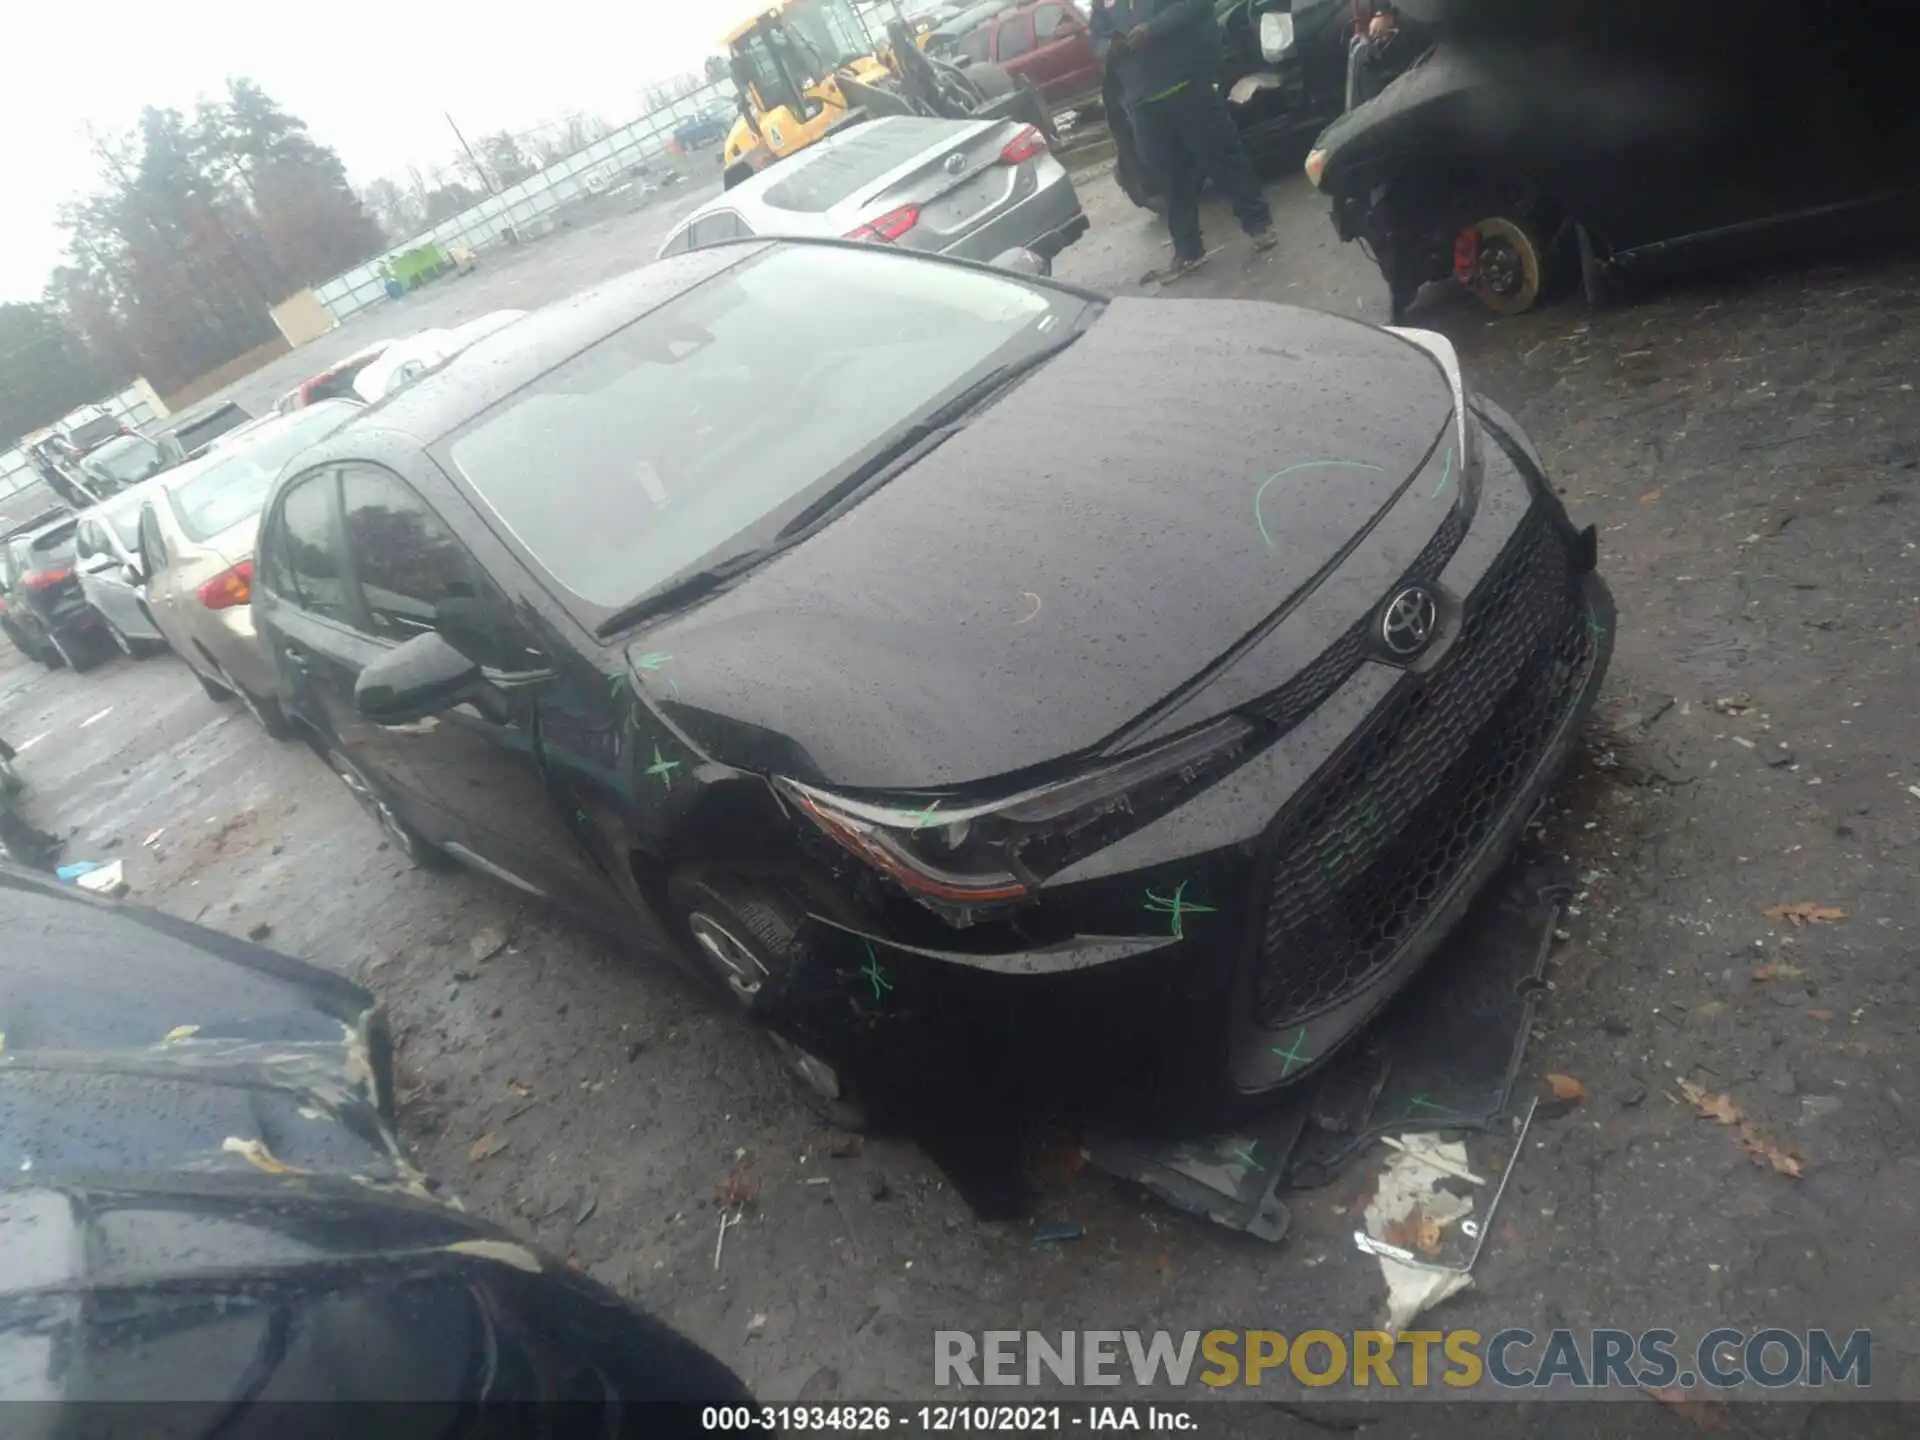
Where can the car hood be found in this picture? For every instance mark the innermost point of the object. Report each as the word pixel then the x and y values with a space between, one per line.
pixel 1079 553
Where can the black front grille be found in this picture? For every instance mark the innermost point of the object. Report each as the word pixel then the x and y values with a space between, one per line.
pixel 1330 669
pixel 1361 863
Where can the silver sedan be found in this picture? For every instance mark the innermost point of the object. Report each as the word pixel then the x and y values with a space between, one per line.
pixel 973 189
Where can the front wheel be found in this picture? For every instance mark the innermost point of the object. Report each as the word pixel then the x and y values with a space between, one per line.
pixel 742 936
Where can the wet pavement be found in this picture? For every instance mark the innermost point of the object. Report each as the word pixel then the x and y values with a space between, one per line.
pixel 1749 447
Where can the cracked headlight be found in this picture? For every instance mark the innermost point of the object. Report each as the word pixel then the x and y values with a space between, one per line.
pixel 947 851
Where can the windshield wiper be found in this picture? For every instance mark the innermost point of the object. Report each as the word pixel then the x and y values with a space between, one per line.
pixel 688 587
pixel 923 436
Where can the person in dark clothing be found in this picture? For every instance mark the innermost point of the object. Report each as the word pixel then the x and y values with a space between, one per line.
pixel 1166 54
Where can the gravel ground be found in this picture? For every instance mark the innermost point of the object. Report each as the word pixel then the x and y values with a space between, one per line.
pixel 1747 445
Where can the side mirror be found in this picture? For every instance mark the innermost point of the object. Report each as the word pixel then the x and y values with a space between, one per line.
pixel 414 680
pixel 94 564
pixel 1022 261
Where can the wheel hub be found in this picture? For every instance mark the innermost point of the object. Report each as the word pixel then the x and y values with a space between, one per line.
pixel 1500 268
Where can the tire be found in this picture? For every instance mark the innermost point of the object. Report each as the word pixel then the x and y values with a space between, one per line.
pixel 124 645
pixel 85 651
pixel 740 935
pixel 53 654
pixel 414 847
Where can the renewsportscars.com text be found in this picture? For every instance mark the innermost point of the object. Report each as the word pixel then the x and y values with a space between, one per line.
pixel 1458 1359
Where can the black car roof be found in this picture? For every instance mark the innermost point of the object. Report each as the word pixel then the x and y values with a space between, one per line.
pixel 502 364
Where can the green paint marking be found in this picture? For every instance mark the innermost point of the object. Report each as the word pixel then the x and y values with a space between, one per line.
pixel 1421 1102
pixel 1261 493
pixel 652 660
pixel 615 684
pixel 1242 1150
pixel 1291 1055
pixel 663 768
pixel 924 818
pixel 1445 476
pixel 1178 906
pixel 871 971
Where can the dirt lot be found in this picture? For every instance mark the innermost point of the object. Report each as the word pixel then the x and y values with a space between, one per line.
pixel 1749 446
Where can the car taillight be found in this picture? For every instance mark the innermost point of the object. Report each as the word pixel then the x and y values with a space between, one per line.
pixel 229 587
pixel 45 579
pixel 889 227
pixel 1024 146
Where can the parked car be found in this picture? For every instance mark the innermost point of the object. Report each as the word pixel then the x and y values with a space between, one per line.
pixel 1038 670
pixel 106 555
pixel 333 383
pixel 1483 162
pixel 47 617
pixel 207 1201
pixel 191 436
pixel 405 361
pixel 196 542
pixel 123 461
pixel 708 126
pixel 1047 43
pixel 973 189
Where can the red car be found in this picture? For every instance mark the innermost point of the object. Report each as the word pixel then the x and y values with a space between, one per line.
pixel 1046 41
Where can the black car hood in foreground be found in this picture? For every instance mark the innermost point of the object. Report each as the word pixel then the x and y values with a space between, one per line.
pixel 202 1200
pixel 1085 547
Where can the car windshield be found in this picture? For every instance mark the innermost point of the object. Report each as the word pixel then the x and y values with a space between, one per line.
pixel 130 458
pixel 229 486
pixel 695 429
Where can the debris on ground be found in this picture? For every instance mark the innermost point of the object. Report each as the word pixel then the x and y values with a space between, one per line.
pixel 1703 1413
pixel 844 1147
pixel 1721 1109
pixel 877 1187
pixel 103 877
pixel 739 1187
pixel 585 1212
pixel 487 942
pixel 260 932
pixel 1565 1087
pixel 1802 912
pixel 485 1147
pixel 154 839
pixel 1414 1201
pixel 256 1154
pixel 1778 970
pixel 1057 1232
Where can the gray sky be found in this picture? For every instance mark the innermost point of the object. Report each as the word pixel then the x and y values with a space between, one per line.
pixel 374 94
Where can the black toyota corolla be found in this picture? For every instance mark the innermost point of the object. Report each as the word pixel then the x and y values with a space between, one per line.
pixel 928 648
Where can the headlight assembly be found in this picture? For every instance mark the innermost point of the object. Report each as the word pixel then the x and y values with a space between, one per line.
pixel 953 854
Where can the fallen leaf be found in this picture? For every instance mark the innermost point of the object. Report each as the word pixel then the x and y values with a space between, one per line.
pixel 1164 1264
pixel 738 1186
pixel 1702 1413
pixel 1713 1107
pixel 1767 1153
pixel 1802 912
pixel 1649 497
pixel 1414 1232
pixel 1778 970
pixel 1565 1087
pixel 520 1088
pixel 1821 1014
pixel 486 1146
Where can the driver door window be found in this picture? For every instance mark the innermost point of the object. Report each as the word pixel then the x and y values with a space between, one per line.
pixel 409 564
pixel 1014 39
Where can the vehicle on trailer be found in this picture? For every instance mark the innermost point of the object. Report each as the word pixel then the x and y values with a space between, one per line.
pixel 209 1210
pixel 1034 692
pixel 106 556
pixel 973 189
pixel 1517 152
pixel 193 435
pixel 90 427
pixel 195 536
pixel 804 68
pixel 57 464
pixel 46 615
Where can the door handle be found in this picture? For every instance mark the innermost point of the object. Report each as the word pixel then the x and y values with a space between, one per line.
pixel 296 657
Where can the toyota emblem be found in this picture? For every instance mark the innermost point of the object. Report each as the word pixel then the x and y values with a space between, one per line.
pixel 1408 622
